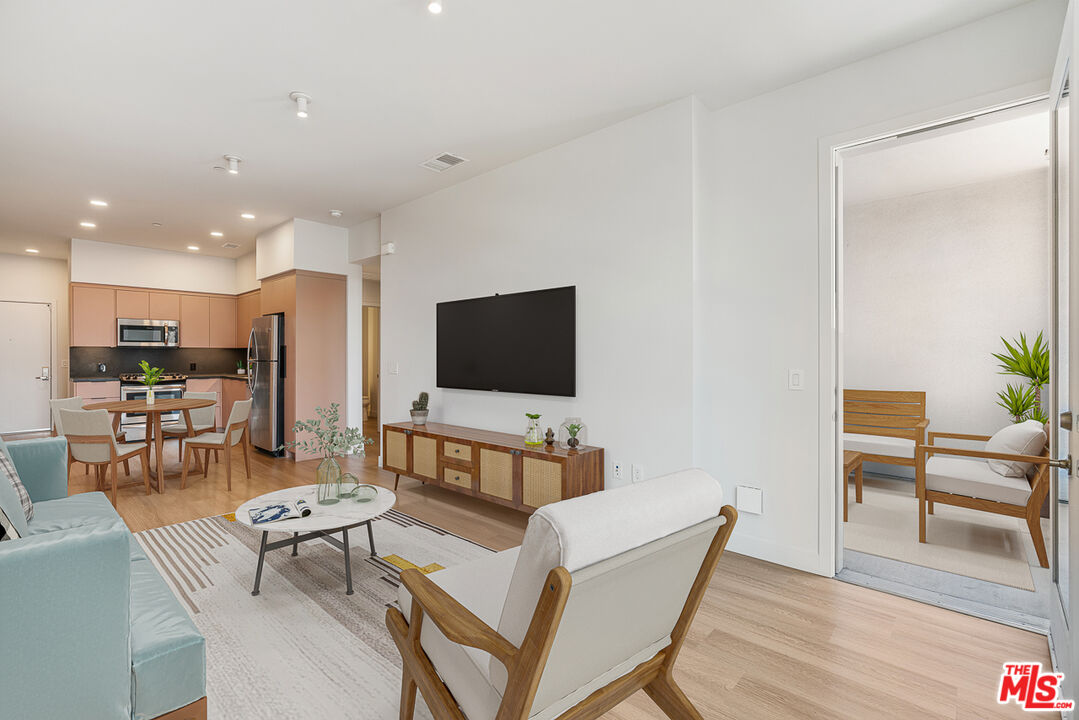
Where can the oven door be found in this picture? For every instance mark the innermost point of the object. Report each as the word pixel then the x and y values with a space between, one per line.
pixel 142 333
pixel 161 392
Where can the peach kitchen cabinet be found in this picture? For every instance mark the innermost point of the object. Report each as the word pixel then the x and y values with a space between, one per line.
pixel 248 307
pixel 133 304
pixel 101 391
pixel 222 321
pixel 164 306
pixel 194 321
pixel 93 316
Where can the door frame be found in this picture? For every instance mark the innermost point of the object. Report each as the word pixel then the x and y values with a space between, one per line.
pixel 53 360
pixel 830 299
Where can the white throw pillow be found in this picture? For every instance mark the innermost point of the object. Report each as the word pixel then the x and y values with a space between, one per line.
pixel 1025 438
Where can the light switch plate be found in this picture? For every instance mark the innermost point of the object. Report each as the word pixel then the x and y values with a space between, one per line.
pixel 617 470
pixel 795 379
pixel 749 500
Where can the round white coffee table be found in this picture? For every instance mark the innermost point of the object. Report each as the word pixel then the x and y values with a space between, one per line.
pixel 324 520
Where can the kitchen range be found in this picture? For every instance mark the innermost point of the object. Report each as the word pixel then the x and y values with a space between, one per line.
pixel 170 385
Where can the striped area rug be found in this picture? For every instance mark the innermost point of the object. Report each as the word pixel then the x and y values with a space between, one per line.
pixel 301 648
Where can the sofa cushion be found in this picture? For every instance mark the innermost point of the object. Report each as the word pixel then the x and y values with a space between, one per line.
pixel 7 467
pixel 83 509
pixel 481 587
pixel 168 654
pixel 13 520
pixel 1025 438
pixel 879 445
pixel 974 478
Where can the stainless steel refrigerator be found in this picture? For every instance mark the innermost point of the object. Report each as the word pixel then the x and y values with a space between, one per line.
pixel 265 377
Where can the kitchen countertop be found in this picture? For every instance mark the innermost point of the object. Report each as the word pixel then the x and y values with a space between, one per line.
pixel 190 376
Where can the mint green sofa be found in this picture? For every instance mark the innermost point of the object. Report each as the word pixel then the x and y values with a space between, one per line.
pixel 88 628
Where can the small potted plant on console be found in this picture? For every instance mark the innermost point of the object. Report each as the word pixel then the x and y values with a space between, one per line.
pixel 419 410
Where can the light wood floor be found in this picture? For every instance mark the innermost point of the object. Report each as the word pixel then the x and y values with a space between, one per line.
pixel 769 642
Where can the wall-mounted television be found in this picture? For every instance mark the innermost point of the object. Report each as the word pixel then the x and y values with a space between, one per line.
pixel 520 342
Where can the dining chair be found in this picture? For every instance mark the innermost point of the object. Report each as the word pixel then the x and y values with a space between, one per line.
pixel 90 440
pixel 203 420
pixel 236 433
pixel 76 403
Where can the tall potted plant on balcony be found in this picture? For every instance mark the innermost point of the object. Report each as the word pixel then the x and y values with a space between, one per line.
pixel 1026 361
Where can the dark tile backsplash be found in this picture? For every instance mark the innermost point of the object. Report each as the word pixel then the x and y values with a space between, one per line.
pixel 84 360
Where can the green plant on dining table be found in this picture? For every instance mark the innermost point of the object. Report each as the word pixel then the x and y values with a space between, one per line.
pixel 150 375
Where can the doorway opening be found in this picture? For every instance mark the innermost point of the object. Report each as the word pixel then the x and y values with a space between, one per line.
pixel 944 262
pixel 371 355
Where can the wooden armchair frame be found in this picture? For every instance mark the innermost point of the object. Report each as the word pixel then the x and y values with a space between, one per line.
pixel 525 664
pixel 1031 512
pixel 193 445
pixel 891 413
pixel 143 452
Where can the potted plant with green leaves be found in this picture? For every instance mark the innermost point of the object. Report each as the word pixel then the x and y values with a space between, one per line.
pixel 419 410
pixel 1030 361
pixel 533 433
pixel 329 441
pixel 240 369
pixel 150 377
pixel 573 429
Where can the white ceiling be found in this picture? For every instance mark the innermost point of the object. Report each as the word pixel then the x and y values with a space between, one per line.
pixel 988 148
pixel 134 102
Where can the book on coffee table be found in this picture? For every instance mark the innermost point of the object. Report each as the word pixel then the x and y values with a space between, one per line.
pixel 279 511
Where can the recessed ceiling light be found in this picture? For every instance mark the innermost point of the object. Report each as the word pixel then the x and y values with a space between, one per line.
pixel 99 203
pixel 247 216
pixel 217 233
pixel 335 213
pixel 86 224
pixel 301 100
pixel 32 250
pixel 156 224
pixel 233 164
pixel 435 7
pixel 192 247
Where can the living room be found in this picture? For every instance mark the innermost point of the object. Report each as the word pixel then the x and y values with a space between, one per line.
pixel 686 206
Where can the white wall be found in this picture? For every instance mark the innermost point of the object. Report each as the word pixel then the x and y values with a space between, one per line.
pixel 275 250
pixel 32 279
pixel 364 240
pixel 371 292
pixel 756 312
pixel 611 213
pixel 246 274
pixel 931 283
pixel 112 264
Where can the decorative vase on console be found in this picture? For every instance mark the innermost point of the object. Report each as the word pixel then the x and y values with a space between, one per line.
pixel 329 441
pixel 572 430
pixel 533 433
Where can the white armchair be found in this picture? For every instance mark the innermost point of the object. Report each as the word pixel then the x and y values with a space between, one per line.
pixel 593 606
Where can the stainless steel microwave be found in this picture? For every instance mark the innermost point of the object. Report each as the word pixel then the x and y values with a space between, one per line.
pixel 147 333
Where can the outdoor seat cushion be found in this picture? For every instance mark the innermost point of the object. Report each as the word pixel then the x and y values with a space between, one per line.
pixel 480 586
pixel 974 478
pixel 168 654
pixel 879 445
pixel 85 509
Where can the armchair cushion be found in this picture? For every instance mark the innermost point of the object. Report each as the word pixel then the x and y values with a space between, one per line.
pixel 481 587
pixel 974 478
pixel 879 445
pixel 1025 438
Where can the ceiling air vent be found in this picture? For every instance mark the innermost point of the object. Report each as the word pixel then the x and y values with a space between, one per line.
pixel 443 162
pixel 230 245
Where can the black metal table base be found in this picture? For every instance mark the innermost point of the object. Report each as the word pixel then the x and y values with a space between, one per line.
pixel 327 535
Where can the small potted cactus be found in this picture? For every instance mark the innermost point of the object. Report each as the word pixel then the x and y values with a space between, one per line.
pixel 419 410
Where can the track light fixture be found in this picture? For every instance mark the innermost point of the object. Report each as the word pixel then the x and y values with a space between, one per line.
pixel 435 7
pixel 233 164
pixel 301 100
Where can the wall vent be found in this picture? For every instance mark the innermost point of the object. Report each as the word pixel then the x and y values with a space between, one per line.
pixel 230 245
pixel 443 162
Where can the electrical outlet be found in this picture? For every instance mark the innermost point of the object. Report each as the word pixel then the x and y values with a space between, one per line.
pixel 395 369
pixel 617 468
pixel 192 367
pixel 638 473
pixel 64 364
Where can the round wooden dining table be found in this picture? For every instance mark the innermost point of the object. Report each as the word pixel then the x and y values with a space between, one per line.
pixel 154 438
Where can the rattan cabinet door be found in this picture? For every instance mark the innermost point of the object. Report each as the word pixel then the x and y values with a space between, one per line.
pixel 395 455
pixel 541 481
pixel 424 456
pixel 496 473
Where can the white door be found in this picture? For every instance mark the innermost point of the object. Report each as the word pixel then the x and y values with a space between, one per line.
pixel 26 363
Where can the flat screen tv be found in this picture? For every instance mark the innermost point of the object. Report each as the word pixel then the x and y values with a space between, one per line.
pixel 521 343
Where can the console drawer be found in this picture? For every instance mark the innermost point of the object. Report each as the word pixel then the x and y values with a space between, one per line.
pixel 459 478
pixel 457 451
